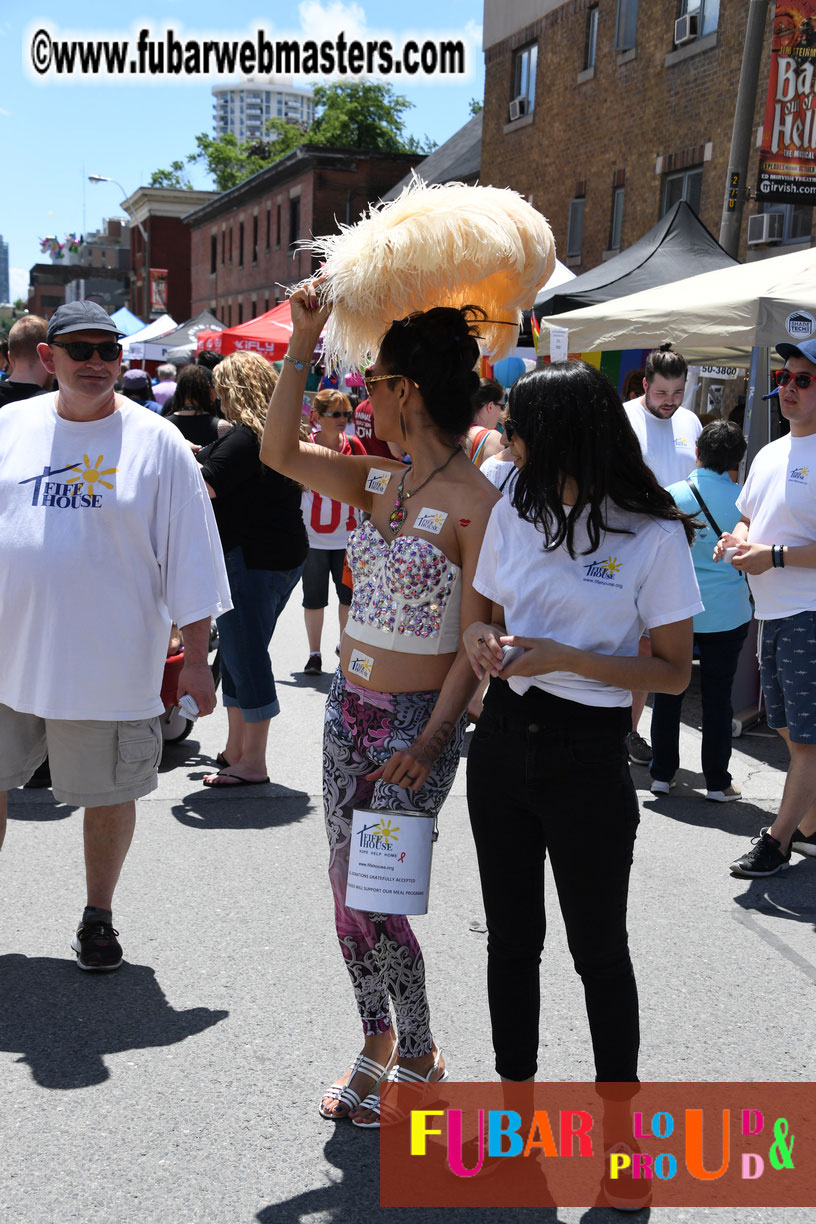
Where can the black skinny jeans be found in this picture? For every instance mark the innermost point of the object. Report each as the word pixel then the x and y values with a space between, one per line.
pixel 549 775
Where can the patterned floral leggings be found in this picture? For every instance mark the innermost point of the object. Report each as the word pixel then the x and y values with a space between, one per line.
pixel 363 728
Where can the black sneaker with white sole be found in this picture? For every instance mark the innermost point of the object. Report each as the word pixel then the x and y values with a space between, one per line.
pixel 764 859
pixel 97 947
pixel 639 749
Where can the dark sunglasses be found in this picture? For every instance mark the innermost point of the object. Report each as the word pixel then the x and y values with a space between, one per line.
pixel 83 350
pixel 509 430
pixel 802 381
pixel 335 415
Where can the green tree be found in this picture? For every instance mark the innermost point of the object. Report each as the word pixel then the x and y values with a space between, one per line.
pixel 349 114
pixel 174 177
pixel 476 106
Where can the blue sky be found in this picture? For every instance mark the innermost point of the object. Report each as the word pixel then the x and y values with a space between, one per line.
pixel 56 133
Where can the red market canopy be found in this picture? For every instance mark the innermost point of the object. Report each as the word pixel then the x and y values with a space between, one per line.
pixel 268 335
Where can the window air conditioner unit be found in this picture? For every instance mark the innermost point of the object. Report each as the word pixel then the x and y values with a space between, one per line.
pixel 765 228
pixel 685 29
pixel 518 107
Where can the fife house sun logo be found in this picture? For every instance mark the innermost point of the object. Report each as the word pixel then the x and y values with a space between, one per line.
pixel 382 835
pixel 603 572
pixel 79 490
pixel 799 475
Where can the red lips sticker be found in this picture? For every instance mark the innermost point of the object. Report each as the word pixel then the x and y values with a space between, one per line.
pixel 464 522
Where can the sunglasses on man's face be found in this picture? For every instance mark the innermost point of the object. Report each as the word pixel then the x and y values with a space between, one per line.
pixel 83 350
pixel 336 415
pixel 802 380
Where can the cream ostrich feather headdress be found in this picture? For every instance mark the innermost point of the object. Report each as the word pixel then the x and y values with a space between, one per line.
pixel 445 245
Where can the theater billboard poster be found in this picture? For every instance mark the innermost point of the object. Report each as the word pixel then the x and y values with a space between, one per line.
pixel 787 161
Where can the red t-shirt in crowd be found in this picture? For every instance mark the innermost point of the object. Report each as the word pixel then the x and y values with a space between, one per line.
pixel 364 428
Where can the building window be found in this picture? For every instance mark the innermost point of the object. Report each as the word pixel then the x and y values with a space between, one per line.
pixel 254 308
pixel 213 253
pixel 575 229
pixel 686 185
pixel 294 220
pixel 230 245
pixel 591 49
pixel 229 314
pixel 798 220
pixel 255 239
pixel 708 14
pixel 223 245
pixel 240 244
pixel 524 77
pixel 240 312
pixel 626 25
pixel 268 224
pixel 278 227
pixel 617 219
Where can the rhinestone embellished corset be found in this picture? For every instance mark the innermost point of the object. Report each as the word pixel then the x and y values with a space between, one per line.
pixel 406 593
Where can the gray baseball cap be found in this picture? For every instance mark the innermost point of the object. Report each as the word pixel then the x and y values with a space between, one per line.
pixel 80 316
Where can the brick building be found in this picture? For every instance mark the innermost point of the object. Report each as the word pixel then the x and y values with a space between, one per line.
pixel 245 242
pixel 160 241
pixel 602 121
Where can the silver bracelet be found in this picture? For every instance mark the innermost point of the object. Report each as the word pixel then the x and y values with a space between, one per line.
pixel 299 365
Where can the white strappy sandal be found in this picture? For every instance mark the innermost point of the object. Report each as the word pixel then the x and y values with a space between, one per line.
pixel 399 1075
pixel 347 1096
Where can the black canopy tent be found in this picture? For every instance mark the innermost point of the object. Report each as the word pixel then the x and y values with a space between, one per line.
pixel 678 246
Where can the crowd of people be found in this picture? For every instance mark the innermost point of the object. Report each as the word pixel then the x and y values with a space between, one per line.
pixel 561 587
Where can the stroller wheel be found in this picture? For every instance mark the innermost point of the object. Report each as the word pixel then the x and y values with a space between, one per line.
pixel 175 726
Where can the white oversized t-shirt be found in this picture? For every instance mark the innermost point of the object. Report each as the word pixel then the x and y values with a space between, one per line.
pixel 669 447
pixel 779 497
pixel 601 601
pixel 106 536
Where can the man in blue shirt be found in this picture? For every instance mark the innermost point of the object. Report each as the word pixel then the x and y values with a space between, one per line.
pixel 720 630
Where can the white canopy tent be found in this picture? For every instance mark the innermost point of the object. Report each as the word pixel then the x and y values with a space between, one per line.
pixel 133 347
pixel 718 316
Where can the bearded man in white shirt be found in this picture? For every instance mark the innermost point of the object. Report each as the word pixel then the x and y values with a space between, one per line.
pixel 667 434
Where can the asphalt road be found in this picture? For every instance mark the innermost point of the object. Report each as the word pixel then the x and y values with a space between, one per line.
pixel 184 1087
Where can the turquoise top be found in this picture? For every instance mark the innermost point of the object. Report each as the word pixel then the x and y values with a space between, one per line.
pixel 723 590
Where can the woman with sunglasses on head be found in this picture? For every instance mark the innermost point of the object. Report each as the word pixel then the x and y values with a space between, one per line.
pixel 394 717
pixel 264 541
pixel 328 523
pixel 586 552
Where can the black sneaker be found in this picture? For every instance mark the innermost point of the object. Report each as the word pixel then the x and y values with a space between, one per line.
pixel 804 845
pixel 640 751
pixel 97 947
pixel 765 859
pixel 314 664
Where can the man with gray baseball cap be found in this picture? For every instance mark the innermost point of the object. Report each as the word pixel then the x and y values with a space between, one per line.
pixel 106 537
pixel 776 536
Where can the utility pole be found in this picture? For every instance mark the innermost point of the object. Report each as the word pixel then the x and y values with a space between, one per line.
pixel 735 184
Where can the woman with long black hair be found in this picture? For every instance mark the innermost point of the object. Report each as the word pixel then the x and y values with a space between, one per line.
pixel 586 553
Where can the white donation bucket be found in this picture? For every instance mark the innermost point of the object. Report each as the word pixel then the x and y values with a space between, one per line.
pixel 390 861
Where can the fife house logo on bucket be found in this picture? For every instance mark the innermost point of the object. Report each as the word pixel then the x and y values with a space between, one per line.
pixel 383 834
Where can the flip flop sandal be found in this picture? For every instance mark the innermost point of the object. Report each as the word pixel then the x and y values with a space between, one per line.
pixel 347 1096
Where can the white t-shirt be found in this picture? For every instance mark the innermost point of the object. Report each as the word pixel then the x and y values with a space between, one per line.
pixel 779 498
pixel 500 473
pixel 669 447
pixel 328 522
pixel 601 601
pixel 106 536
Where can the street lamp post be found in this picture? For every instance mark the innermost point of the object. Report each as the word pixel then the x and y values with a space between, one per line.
pixel 102 178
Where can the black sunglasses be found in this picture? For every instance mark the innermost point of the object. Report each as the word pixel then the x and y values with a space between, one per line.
pixel 335 415
pixel 83 350
pixel 801 380
pixel 509 430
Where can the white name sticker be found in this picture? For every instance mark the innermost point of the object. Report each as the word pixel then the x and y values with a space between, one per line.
pixel 430 520
pixel 377 481
pixel 361 664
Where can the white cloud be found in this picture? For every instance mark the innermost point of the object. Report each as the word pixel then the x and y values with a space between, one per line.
pixel 332 17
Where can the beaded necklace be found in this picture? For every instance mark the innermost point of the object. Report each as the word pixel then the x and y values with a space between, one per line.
pixel 398 515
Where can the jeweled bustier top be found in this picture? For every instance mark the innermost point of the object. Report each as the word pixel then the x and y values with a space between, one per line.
pixel 406 595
